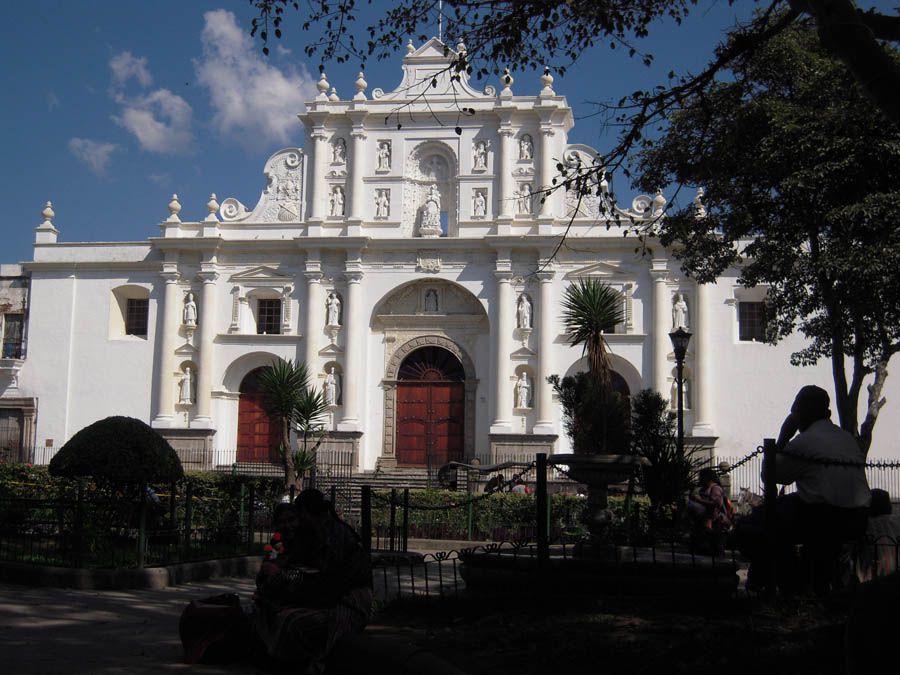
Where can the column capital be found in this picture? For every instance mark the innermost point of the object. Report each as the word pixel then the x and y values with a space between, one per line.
pixel 358 135
pixel 353 276
pixel 507 132
pixel 319 134
pixel 548 131
pixel 208 276
pixel 503 275
pixel 313 276
pixel 546 276
pixel 170 276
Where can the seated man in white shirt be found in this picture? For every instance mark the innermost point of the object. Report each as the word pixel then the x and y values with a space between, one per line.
pixel 828 466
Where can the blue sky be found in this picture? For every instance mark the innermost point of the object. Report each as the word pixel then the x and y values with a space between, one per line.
pixel 112 105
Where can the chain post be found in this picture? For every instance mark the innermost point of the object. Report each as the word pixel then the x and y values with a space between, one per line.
pixel 541 504
pixel 393 524
pixel 769 511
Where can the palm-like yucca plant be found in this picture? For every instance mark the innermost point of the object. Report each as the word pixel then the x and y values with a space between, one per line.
pixel 591 308
pixel 282 385
pixel 309 420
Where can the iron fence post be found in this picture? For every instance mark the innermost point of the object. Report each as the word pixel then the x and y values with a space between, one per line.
pixel 393 524
pixel 469 519
pixel 540 498
pixel 142 528
pixel 251 508
pixel 405 519
pixel 188 516
pixel 79 524
pixel 769 512
pixel 366 517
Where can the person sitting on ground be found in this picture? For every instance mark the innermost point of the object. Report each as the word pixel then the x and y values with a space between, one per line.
pixel 706 505
pixel 519 486
pixel 495 484
pixel 318 591
pixel 828 466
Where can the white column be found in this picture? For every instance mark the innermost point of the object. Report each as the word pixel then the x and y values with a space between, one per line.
pixel 319 187
pixel 659 331
pixel 506 159
pixel 207 336
pixel 314 321
pixel 548 170
pixel 165 392
pixel 546 313
pixel 356 174
pixel 503 325
pixel 702 392
pixel 355 325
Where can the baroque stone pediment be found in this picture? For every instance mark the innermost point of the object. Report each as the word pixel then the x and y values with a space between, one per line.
pixel 261 275
pixel 281 201
pixel 602 270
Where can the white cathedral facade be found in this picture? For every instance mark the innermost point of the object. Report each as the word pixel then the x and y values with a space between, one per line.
pixel 416 272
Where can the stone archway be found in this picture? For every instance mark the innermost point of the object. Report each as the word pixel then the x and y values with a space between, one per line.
pixel 392 379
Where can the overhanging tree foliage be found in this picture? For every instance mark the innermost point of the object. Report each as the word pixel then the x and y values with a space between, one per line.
pixel 801 175
pixel 531 34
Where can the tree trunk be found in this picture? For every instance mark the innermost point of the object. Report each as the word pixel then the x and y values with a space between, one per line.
pixel 290 477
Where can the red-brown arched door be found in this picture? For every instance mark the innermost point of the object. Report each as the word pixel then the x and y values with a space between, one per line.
pixel 431 400
pixel 258 440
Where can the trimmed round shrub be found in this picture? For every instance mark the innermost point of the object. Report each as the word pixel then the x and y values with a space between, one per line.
pixel 118 450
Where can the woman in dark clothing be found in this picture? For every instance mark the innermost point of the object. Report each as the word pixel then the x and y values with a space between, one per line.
pixel 318 590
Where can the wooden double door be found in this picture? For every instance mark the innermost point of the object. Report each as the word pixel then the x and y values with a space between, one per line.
pixel 258 438
pixel 431 401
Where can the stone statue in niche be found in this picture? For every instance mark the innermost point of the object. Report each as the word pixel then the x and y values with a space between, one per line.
pixel 523 392
pixel 479 152
pixel 382 203
pixel 523 198
pixel 685 393
pixel 431 300
pixel 339 151
pixel 337 201
pixel 189 316
pixel 431 214
pixel 186 389
pixel 384 156
pixel 479 204
pixel 523 312
pixel 330 388
pixel 526 147
pixel 679 312
pixel 333 309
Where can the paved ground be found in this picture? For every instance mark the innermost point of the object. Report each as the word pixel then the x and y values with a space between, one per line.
pixel 53 630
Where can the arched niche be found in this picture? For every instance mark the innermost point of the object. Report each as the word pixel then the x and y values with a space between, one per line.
pixel 431 163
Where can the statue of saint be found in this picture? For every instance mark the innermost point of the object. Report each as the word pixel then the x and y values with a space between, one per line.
pixel 333 306
pixel 523 312
pixel 339 151
pixel 431 300
pixel 384 156
pixel 523 392
pixel 480 152
pixel 526 147
pixel 330 388
pixel 189 316
pixel 524 198
pixel 186 390
pixel 679 312
pixel 431 214
pixel 479 204
pixel 382 204
pixel 337 201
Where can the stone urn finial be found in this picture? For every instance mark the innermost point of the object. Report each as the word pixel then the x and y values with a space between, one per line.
pixel 174 209
pixel 211 207
pixel 547 83
pixel 323 86
pixel 48 215
pixel 360 85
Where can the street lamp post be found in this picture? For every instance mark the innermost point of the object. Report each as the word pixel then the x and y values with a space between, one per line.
pixel 680 339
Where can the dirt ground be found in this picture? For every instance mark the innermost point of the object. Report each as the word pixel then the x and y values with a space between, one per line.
pixel 634 637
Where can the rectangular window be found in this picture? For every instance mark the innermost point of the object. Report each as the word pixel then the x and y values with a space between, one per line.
pixel 13 332
pixel 136 312
pixel 268 317
pixel 752 321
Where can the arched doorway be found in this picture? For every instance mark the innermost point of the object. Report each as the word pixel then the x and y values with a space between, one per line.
pixel 257 439
pixel 431 404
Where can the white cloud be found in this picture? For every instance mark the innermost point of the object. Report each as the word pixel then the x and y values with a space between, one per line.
pixel 96 154
pixel 161 121
pixel 124 66
pixel 249 96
